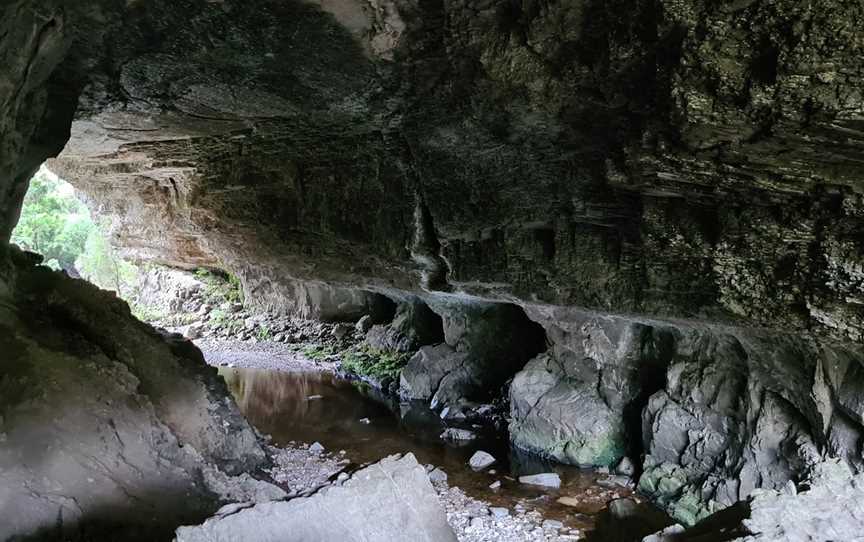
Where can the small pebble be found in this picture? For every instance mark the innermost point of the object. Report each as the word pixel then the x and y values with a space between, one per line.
pixel 316 448
pixel 314 397
pixel 552 524
pixel 495 485
pixel 366 421
pixel 499 512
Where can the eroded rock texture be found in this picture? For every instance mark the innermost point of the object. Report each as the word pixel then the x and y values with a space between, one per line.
pixel 106 427
pixel 663 159
pixel 677 158
pixel 825 506
pixel 483 345
pixel 390 500
pixel 722 411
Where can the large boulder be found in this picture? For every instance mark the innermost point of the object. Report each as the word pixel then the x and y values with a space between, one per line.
pixel 391 500
pixel 106 426
pixel 576 403
pixel 413 326
pixel 739 412
pixel 436 373
pixel 716 412
pixel 826 506
pixel 485 345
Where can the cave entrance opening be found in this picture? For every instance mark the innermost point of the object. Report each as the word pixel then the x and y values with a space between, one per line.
pixel 56 223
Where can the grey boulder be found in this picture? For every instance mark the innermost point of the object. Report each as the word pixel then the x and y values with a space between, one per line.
pixel 546 479
pixel 391 500
pixel 481 460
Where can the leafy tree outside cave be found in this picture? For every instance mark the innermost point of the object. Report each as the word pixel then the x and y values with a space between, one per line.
pixel 53 222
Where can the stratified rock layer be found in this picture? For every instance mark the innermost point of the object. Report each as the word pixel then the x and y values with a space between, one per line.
pixel 666 158
pixel 684 159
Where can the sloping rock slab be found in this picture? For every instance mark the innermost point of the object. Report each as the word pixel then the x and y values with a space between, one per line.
pixel 828 506
pixel 391 500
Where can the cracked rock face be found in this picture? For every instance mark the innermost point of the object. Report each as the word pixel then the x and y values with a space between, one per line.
pixel 722 411
pixel 694 166
pixel 104 433
pixel 824 506
pixel 390 500
pixel 686 159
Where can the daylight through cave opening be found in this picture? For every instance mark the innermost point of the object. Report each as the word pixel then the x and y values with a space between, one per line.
pixel 627 233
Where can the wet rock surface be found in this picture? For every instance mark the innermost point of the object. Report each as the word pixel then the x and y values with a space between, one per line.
pixel 732 410
pixel 661 160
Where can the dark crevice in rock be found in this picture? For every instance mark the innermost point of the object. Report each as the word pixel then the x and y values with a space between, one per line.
pixel 426 249
pixel 657 351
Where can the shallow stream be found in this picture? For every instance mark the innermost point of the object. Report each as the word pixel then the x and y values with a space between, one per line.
pixel 351 416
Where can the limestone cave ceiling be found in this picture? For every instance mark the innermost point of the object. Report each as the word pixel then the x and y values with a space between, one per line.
pixel 674 158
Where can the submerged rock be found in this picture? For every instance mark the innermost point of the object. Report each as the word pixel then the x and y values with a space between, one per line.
pixel 459 435
pixel 546 479
pixel 391 500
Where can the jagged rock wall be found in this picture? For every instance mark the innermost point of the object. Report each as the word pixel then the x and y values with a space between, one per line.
pixel 662 157
pixel 106 426
pixel 687 159
pixel 710 412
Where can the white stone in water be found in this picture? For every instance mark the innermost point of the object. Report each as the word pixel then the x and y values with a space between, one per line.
pixel 453 433
pixel 366 421
pixel 499 512
pixel 316 447
pixel 314 397
pixel 546 479
pixel 495 485
pixel 481 460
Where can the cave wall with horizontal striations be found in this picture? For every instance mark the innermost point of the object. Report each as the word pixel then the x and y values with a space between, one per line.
pixel 668 158
pixel 684 163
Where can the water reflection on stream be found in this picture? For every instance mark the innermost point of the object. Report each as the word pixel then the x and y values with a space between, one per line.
pixel 278 403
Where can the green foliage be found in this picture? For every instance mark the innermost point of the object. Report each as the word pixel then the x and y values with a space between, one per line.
pixel 374 363
pixel 318 352
pixel 57 225
pixel 99 264
pixel 146 313
pixel 53 222
pixel 219 289
pixel 220 318
pixel 264 333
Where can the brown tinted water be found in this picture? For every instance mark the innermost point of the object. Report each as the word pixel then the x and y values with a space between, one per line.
pixel 278 403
